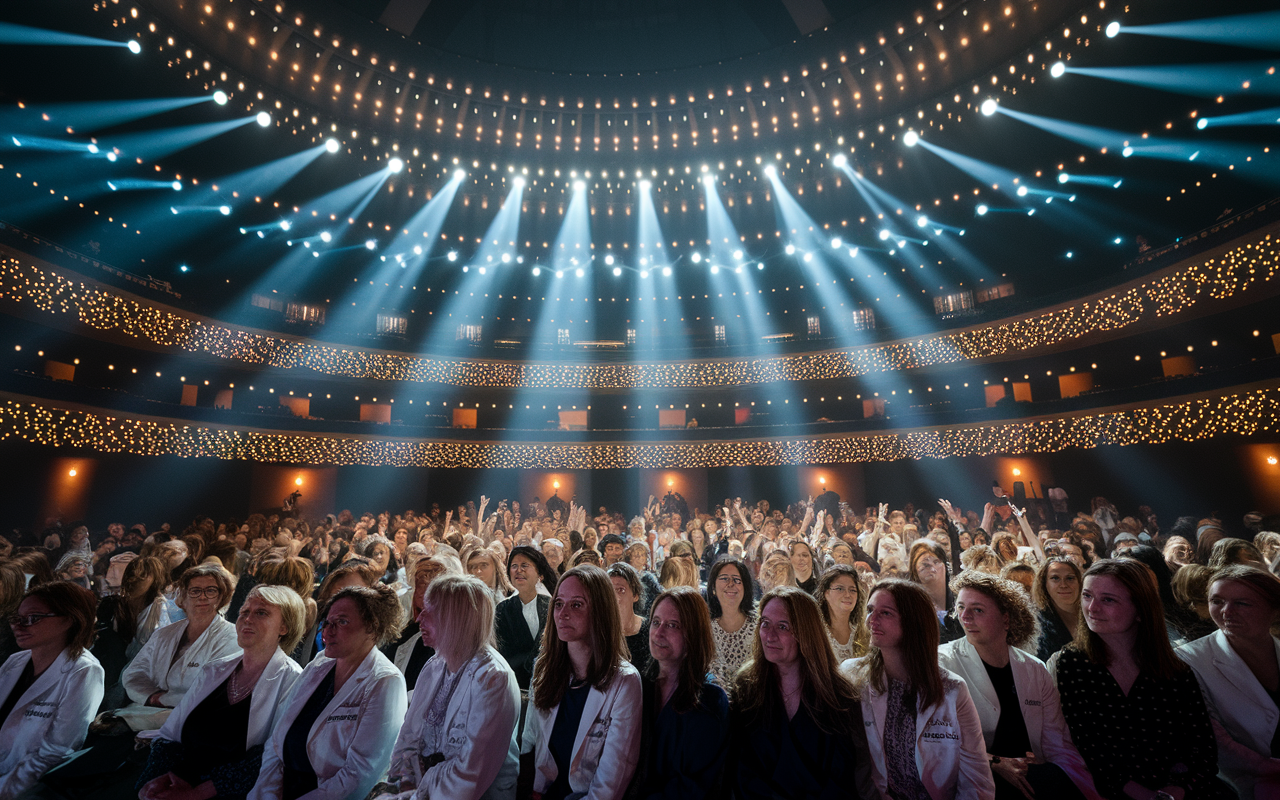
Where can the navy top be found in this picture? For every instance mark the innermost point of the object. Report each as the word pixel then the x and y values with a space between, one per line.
pixel 215 731
pixel 563 734
pixel 777 758
pixel 299 775
pixel 1011 739
pixel 682 755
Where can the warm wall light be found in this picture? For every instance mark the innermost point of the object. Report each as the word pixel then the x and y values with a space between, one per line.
pixel 1270 460
pixel 555 484
pixel 1016 472
pixel 72 473
pixel 671 482
pixel 822 481
pixel 297 481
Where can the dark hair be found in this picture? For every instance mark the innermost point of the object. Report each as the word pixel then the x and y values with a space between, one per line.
pixel 546 574
pixel 700 647
pixel 378 607
pixel 631 575
pixel 747 604
pixel 73 601
pixel 920 636
pixel 918 549
pixel 611 538
pixel 1182 620
pixel 1010 599
pixel 829 696
pixel 858 616
pixel 553 670
pixel 1151 648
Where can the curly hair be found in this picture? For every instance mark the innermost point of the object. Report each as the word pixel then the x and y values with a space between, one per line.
pixel 1009 597
pixel 981 557
pixel 378 607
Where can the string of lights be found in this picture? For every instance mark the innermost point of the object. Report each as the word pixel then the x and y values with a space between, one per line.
pixel 1245 267
pixel 1249 411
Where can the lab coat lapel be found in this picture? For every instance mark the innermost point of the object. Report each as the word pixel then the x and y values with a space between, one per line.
pixel 266 696
pixel 975 674
pixel 1238 673
pixel 595 702
pixel 351 687
pixel 1025 683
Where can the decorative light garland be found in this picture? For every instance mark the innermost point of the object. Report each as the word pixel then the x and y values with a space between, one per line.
pixel 1248 266
pixel 1251 411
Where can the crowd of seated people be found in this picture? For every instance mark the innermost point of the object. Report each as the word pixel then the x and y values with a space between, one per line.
pixel 747 651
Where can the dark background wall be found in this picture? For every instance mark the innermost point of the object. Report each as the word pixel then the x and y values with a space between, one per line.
pixel 1225 478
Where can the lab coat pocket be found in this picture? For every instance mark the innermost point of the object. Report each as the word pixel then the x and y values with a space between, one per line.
pixel 593 744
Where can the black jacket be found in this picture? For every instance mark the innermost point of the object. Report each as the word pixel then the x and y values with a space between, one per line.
pixel 514 642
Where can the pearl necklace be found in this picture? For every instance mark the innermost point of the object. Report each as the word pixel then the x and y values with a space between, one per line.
pixel 234 694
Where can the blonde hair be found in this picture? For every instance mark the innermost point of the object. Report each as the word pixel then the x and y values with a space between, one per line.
pixel 292 611
pixel 465 606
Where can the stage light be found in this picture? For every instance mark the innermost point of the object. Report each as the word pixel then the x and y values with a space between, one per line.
pixel 134 47
pixel 608 259
pixel 325 236
pixel 808 257
pixel 453 255
pixel 645 186
pixel 853 252
pixel 910 138
pixel 696 258
pixel 1128 151
pixel 220 97
pixel 644 273
pixel 1202 123
pixel 835 243
pixel 982 209
pixel 579 186
pixel 224 210
pixel 466 268
pixel 579 272
pixel 884 235
pixel 737 255
pixel 506 258
pixel 331 145
pixel 264 119
pixel 1116 240
pixel 482 270
pixel 395 165
pixel 183 268
pixel 988 107
pixel 71 473
pixel 93 148
pixel 715 270
pixel 1063 177
pixel 922 221
pixel 559 273
pixel 177 186
pixel 371 244
pixel 1058 69
pixel 770 170
pixel 709 180
pixel 791 249
pixel 666 272
pixel 1113 28
pixel 1070 254
pixel 1192 157
pixel 1116 185
pixel 537 271
pixel 517 182
pixel 617 272
pixel 760 265
pixel 1022 191
pixel 417 251
pixel 111 156
pixel 840 160
pixel 285 224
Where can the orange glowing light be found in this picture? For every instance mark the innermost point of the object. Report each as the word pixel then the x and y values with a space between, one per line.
pixel 670 482
pixel 1016 472
pixel 72 473
pixel 297 481
pixel 555 484
pixel 822 481
pixel 1270 460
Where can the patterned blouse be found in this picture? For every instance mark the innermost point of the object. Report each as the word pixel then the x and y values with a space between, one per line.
pixel 900 744
pixel 732 649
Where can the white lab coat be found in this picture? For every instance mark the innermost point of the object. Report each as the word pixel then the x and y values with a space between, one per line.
pixel 264 707
pixel 482 757
pixel 349 745
pixel 1243 713
pixel 153 670
pixel 951 757
pixel 607 746
pixel 49 720
pixel 1041 707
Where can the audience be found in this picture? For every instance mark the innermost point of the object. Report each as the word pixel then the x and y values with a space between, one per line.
pixel 514 653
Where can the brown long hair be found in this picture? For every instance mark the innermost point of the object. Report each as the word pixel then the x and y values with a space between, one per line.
pixel 857 617
pixel 920 635
pixel 825 692
pixel 700 647
pixel 554 670
pixel 1151 648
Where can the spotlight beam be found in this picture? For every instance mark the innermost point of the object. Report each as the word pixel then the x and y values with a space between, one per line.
pixel 152 145
pixel 11 33
pixel 1260 30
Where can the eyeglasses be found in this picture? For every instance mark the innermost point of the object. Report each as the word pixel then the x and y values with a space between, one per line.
pixel 732 580
pixel 208 591
pixel 843 589
pixel 340 623
pixel 27 620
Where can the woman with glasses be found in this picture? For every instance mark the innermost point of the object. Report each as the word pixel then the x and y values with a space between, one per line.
pixel 50 689
pixel 211 745
pixel 730 597
pixel 844 611
pixel 521 617
pixel 332 740
pixel 171 660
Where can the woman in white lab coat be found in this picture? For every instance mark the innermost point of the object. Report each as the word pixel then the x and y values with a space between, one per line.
pixel 1239 672
pixel 51 688
pixel 333 739
pixel 1014 693
pixel 458 740
pixel 172 658
pixel 211 745
pixel 923 731
pixel 587 698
